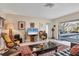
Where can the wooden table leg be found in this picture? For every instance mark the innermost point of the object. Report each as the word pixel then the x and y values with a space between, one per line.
pixel 56 49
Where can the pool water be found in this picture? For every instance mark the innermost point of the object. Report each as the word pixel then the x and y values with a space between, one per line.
pixel 74 38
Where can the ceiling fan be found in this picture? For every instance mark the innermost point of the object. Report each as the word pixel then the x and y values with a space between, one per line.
pixel 50 5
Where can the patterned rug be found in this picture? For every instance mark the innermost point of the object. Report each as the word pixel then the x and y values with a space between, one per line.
pixel 65 52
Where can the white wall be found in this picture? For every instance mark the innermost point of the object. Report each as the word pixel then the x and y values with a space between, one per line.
pixel 12 21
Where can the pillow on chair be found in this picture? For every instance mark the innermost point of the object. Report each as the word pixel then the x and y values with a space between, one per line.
pixel 74 49
pixel 26 51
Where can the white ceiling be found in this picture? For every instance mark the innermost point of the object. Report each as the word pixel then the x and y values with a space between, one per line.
pixel 39 10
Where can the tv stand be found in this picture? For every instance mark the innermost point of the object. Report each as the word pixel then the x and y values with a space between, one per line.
pixel 32 38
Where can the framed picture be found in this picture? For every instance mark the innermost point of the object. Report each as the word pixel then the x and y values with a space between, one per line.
pixel 21 25
pixel 32 24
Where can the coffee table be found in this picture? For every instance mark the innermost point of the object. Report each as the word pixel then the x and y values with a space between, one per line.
pixel 47 49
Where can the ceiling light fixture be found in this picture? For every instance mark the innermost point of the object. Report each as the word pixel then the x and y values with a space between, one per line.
pixel 50 5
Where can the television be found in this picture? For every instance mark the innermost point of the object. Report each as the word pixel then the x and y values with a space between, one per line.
pixel 32 31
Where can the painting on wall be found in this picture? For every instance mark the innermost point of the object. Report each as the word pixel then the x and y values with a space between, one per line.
pixel 32 24
pixel 21 25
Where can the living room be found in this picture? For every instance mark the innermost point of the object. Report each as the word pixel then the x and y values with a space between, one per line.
pixel 39 29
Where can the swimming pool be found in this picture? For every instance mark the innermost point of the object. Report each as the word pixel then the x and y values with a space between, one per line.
pixel 70 38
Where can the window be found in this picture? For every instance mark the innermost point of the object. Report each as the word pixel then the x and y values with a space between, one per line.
pixel 69 31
